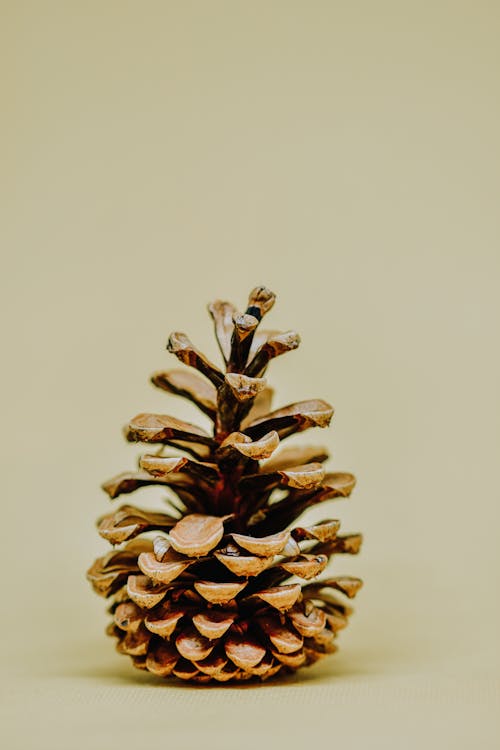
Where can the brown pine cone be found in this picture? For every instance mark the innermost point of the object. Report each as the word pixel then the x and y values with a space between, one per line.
pixel 216 594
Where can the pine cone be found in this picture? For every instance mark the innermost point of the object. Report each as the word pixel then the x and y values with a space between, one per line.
pixel 216 593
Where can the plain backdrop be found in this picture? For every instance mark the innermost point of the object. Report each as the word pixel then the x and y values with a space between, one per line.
pixel 159 154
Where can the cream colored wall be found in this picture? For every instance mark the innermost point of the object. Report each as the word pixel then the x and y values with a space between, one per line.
pixel 157 155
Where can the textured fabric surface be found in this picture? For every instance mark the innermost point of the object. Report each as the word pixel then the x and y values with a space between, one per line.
pixel 413 713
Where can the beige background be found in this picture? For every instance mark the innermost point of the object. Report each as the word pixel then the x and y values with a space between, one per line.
pixel 156 155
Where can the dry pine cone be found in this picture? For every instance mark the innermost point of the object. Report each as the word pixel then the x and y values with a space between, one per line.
pixel 215 593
